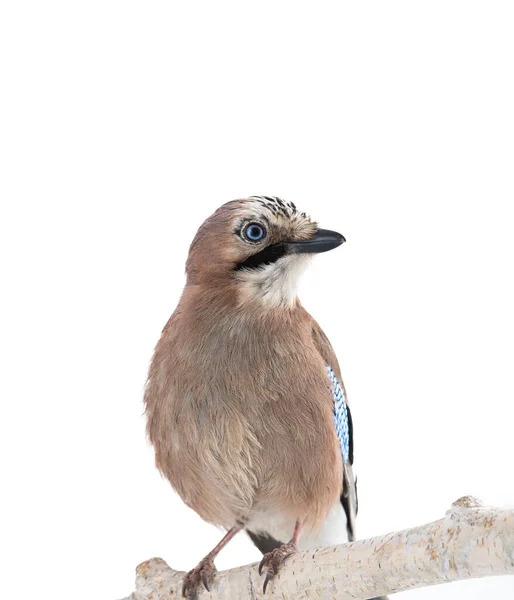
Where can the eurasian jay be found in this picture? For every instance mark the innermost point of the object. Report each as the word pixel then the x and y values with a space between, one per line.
pixel 245 402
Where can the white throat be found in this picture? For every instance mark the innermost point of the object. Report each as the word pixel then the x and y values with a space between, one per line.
pixel 275 285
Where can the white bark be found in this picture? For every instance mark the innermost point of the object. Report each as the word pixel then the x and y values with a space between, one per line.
pixel 471 541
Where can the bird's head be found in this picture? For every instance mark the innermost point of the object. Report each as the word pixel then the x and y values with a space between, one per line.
pixel 261 245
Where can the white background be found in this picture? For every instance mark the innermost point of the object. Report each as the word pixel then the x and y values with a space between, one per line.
pixel 124 125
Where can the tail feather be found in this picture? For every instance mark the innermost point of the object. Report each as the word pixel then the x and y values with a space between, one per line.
pixel 264 542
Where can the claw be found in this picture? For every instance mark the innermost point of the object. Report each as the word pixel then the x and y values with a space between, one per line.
pixel 272 561
pixel 261 564
pixel 205 581
pixel 203 573
pixel 269 576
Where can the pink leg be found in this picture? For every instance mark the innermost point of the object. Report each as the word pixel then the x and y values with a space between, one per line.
pixel 205 571
pixel 225 540
pixel 272 561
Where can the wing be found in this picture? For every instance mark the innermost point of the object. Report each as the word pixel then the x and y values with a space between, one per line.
pixel 344 428
pixel 343 424
pixel 342 413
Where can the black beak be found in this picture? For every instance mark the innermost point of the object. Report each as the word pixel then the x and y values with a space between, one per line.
pixel 323 241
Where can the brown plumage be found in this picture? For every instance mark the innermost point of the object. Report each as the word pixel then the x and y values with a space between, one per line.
pixel 239 407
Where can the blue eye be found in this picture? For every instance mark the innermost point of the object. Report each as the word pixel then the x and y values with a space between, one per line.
pixel 254 232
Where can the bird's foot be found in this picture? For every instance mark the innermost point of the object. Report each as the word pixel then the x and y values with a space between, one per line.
pixel 204 573
pixel 272 561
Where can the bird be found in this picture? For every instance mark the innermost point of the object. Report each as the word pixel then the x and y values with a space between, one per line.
pixel 245 403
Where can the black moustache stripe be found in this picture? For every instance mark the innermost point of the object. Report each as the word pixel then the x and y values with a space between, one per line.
pixel 268 256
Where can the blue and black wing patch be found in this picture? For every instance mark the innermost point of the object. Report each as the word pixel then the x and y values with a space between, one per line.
pixel 344 430
pixel 342 418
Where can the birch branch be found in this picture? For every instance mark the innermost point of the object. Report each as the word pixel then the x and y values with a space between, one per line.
pixel 471 541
